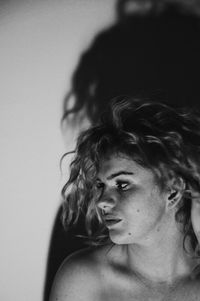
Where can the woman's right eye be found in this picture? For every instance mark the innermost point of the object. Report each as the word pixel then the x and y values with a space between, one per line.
pixel 99 185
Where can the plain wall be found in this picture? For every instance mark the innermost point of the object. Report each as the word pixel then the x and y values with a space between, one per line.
pixel 40 43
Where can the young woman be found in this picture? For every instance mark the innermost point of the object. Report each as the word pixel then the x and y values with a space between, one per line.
pixel 136 180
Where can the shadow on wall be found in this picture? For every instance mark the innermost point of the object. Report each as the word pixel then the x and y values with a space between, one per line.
pixel 152 50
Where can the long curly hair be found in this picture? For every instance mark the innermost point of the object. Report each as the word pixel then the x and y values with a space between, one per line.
pixel 155 135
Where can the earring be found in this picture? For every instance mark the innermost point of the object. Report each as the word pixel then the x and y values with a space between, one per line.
pixel 172 202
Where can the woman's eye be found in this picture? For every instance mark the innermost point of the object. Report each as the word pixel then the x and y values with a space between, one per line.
pixel 122 185
pixel 99 185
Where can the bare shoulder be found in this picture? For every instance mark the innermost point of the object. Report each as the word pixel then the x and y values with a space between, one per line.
pixel 78 277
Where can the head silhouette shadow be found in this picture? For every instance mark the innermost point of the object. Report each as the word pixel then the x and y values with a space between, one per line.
pixel 152 50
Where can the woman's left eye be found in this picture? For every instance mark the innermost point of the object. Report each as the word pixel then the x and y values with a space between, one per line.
pixel 122 185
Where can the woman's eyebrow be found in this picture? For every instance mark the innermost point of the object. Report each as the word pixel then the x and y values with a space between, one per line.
pixel 119 173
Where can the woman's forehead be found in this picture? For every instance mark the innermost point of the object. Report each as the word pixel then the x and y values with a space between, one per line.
pixel 114 163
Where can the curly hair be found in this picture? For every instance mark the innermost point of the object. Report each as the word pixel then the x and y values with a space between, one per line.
pixel 156 136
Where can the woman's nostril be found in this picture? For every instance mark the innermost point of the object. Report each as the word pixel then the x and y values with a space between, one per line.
pixel 108 200
pixel 102 205
pixel 106 204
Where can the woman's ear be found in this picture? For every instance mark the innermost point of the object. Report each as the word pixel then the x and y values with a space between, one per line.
pixel 175 193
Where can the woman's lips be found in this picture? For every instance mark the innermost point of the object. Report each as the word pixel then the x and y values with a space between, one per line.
pixel 111 221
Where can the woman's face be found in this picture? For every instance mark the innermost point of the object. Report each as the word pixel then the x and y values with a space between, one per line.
pixel 132 203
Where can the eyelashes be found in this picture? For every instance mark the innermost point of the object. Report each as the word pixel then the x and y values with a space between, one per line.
pixel 120 185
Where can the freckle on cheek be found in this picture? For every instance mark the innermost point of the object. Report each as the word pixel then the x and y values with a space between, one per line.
pixel 129 233
pixel 138 210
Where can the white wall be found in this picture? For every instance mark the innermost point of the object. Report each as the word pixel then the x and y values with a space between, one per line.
pixel 40 42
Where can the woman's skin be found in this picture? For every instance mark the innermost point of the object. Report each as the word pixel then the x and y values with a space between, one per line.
pixel 147 260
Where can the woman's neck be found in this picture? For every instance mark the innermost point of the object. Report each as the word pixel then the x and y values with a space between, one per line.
pixel 162 259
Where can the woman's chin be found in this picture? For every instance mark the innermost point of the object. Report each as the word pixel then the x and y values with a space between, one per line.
pixel 120 239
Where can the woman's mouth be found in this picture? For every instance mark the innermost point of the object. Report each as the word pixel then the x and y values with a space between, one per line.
pixel 111 221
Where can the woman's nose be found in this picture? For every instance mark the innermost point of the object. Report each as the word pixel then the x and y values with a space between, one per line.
pixel 107 201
